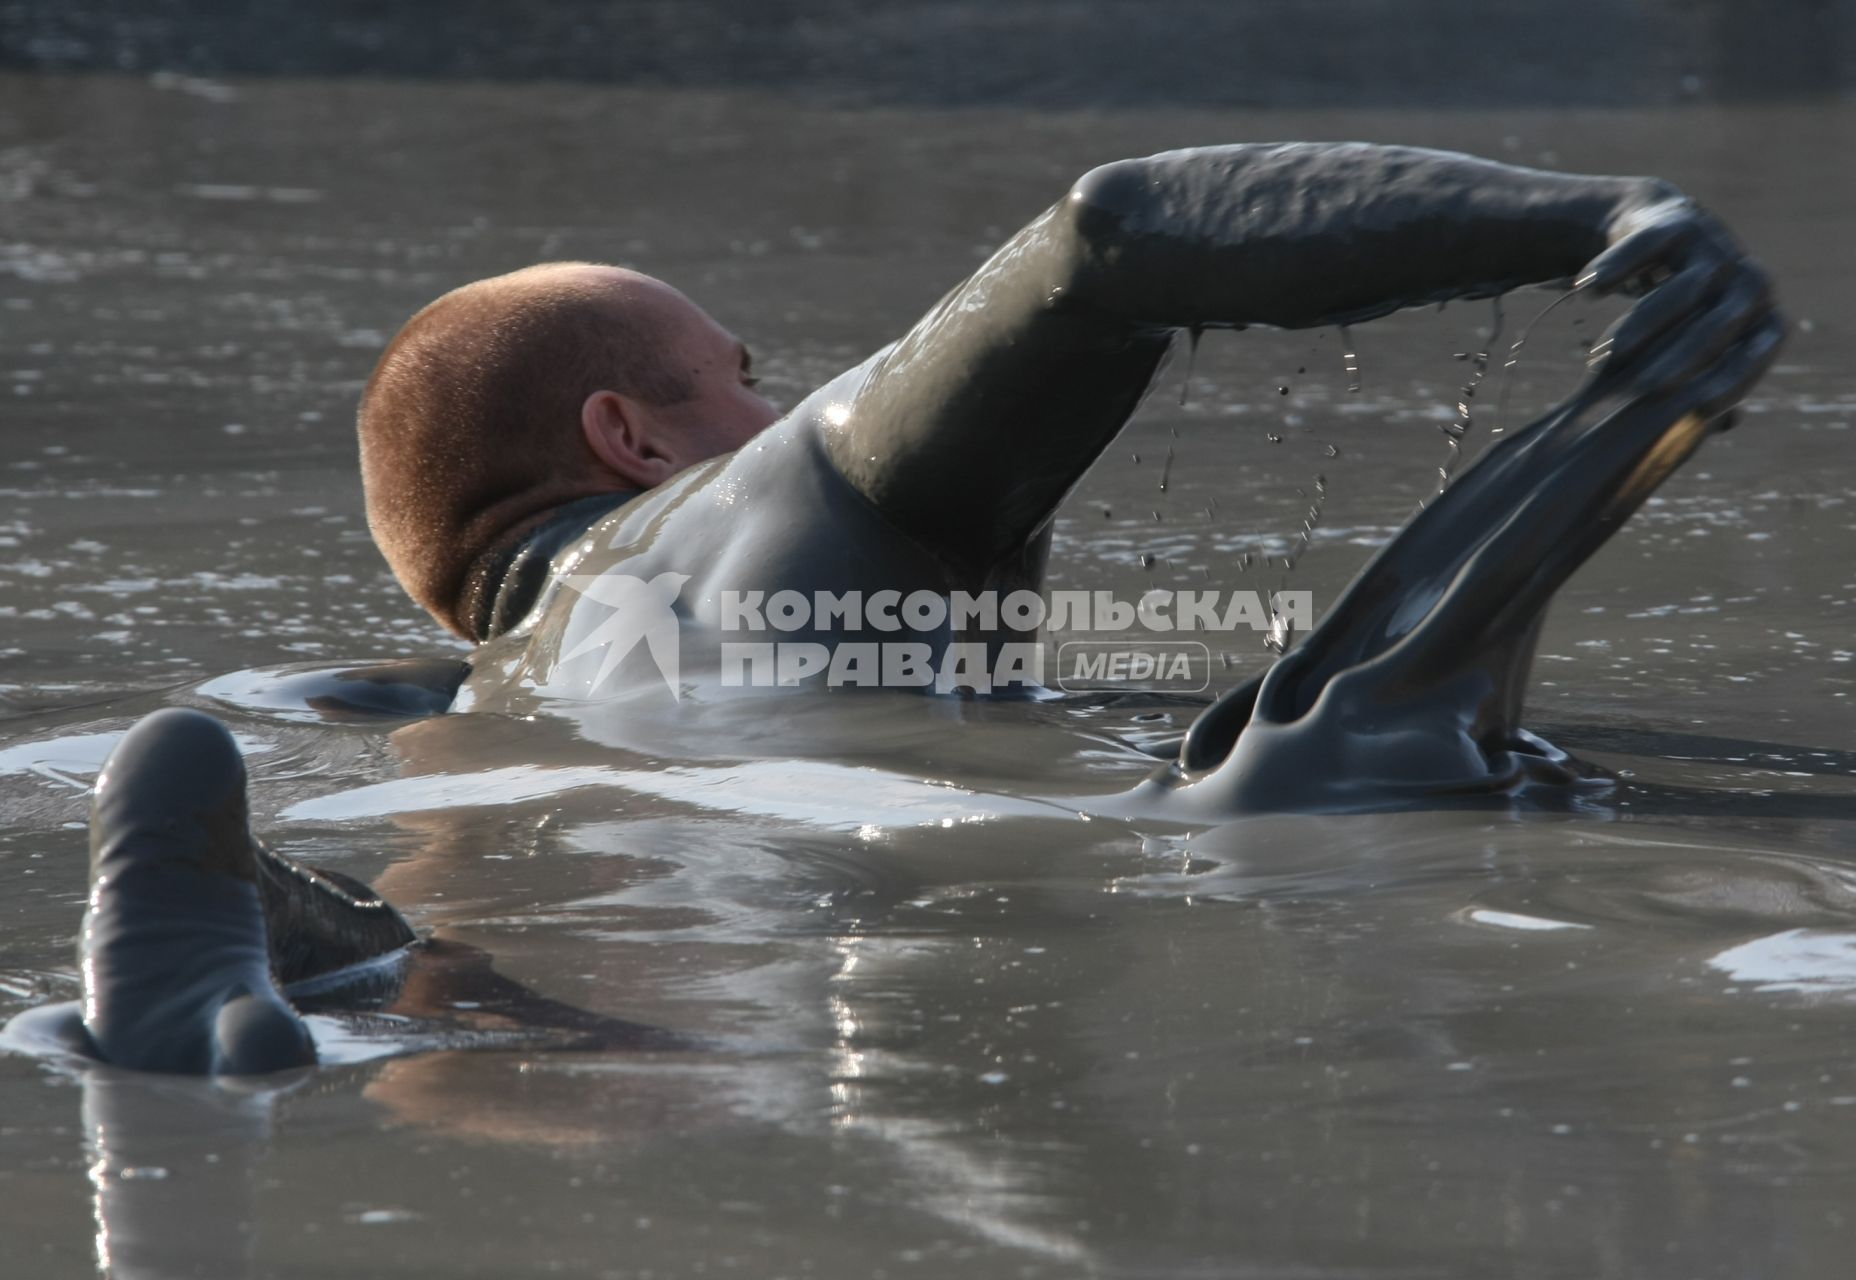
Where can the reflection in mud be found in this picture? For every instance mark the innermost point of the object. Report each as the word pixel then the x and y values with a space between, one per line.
pixel 175 1165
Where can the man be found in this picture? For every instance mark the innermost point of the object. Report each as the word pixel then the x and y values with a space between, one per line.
pixel 508 415
pixel 584 423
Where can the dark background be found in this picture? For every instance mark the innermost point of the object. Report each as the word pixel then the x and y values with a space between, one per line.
pixel 1050 53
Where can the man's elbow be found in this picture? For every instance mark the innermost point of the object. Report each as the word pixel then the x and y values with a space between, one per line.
pixel 1108 202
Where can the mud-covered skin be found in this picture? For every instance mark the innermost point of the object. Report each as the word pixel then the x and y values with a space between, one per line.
pixel 174 951
pixel 971 429
pixel 938 464
pixel 406 688
pixel 341 693
pixel 320 922
pixel 1411 690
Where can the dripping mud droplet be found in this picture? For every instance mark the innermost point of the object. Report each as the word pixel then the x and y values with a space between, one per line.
pixel 1458 427
pixel 1193 335
pixel 1514 356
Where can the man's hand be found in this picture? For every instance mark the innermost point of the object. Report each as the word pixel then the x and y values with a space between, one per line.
pixel 1705 328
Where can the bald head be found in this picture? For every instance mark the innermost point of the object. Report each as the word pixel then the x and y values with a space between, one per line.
pixel 471 425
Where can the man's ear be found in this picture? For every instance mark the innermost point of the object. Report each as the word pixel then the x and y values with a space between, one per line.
pixel 623 434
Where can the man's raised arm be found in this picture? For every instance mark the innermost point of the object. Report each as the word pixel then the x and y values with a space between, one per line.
pixel 970 430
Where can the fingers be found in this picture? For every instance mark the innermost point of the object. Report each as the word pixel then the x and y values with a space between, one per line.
pixel 1674 336
pixel 1637 255
pixel 1667 305
pixel 1657 242
pixel 1737 369
pixel 1687 350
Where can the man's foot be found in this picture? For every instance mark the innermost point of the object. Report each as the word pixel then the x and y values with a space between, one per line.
pixel 177 974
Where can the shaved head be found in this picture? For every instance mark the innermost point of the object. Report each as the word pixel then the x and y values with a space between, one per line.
pixel 470 425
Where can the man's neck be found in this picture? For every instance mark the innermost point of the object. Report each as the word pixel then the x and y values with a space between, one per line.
pixel 512 580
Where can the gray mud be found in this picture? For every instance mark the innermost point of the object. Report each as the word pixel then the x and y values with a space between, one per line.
pixel 935 1026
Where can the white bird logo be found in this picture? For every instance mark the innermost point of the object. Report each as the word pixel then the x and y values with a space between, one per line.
pixel 641 611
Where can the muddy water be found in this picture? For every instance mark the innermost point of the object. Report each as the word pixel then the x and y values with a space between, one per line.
pixel 931 1024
